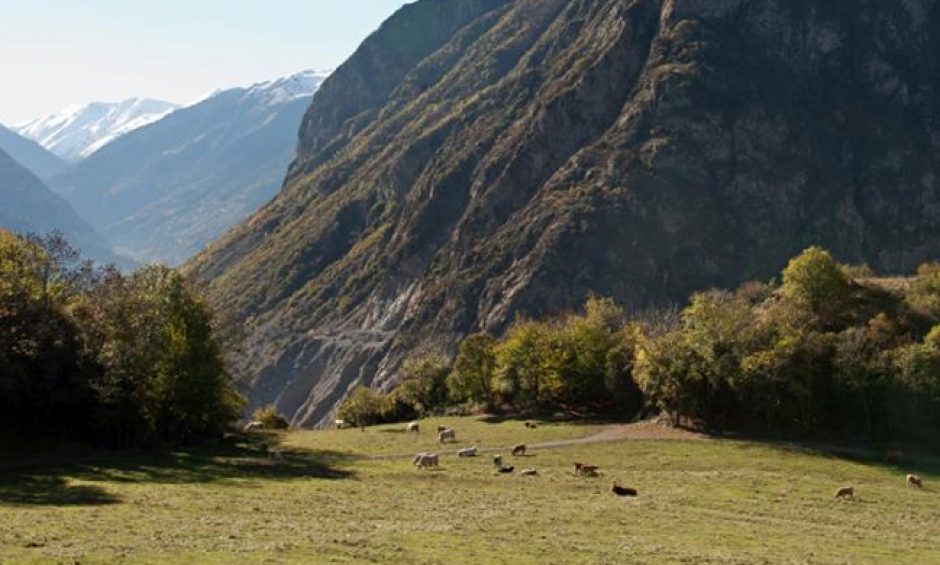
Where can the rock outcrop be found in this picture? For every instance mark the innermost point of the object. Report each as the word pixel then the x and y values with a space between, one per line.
pixel 476 160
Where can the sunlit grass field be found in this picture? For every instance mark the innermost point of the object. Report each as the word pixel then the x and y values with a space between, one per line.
pixel 347 496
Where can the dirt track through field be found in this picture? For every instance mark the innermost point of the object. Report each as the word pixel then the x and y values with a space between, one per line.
pixel 641 431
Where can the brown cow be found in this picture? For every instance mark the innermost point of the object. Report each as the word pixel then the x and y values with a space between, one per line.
pixel 623 491
pixel 846 492
pixel 519 449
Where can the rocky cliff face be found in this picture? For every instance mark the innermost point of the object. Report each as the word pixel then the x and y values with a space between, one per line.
pixel 478 159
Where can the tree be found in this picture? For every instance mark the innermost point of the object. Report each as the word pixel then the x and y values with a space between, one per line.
pixel 362 407
pixel 925 290
pixel 192 387
pixel 42 363
pixel 664 369
pixel 816 279
pixel 717 326
pixel 860 366
pixel 523 361
pixel 422 383
pixel 472 377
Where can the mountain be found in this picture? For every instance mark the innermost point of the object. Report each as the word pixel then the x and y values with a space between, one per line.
pixel 164 191
pixel 478 160
pixel 78 131
pixel 30 154
pixel 30 207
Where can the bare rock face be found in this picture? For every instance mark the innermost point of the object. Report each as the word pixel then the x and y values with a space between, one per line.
pixel 478 159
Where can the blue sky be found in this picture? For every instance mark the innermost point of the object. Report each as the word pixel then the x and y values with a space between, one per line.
pixel 55 53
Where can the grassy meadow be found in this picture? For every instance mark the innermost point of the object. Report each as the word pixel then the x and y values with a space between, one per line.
pixel 347 496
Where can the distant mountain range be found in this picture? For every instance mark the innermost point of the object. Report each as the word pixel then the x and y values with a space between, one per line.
pixel 78 131
pixel 30 154
pixel 28 206
pixel 164 191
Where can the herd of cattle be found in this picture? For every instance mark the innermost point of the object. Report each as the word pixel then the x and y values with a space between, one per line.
pixel 427 460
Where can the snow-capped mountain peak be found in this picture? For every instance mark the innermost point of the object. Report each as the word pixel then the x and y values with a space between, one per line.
pixel 78 131
pixel 288 88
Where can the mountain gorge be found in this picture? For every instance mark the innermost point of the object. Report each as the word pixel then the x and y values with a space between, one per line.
pixel 31 207
pixel 30 154
pixel 517 155
pixel 164 191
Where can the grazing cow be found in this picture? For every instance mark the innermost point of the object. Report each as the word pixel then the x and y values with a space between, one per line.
pixel 531 425
pixel 413 427
pixel 583 470
pixel 442 428
pixel 447 435
pixel 497 460
pixel 529 473
pixel 506 470
pixel 846 492
pixel 623 491
pixel 426 460
pixel 914 481
pixel 467 452
pixel 340 424
pixel 519 449
pixel 252 426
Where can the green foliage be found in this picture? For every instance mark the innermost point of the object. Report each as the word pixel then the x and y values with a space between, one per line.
pixel 133 358
pixel 925 290
pixel 422 383
pixel 797 360
pixel 363 407
pixel 271 418
pixel 819 354
pixel 472 377
pixel 816 279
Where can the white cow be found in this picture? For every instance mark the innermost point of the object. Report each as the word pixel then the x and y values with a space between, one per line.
pixel 413 427
pixel 467 452
pixel 340 424
pixel 448 434
pixel 425 460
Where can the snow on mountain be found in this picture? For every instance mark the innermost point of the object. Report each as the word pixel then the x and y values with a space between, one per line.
pixel 78 131
pixel 286 89
pixel 164 191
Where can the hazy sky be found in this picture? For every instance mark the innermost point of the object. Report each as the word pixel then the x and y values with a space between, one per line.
pixel 54 53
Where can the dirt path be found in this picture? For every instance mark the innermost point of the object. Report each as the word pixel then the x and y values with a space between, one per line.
pixel 640 431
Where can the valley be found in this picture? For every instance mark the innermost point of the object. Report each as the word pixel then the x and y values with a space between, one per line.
pixel 707 501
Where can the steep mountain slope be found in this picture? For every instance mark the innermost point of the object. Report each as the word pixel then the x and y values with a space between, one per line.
pixel 30 207
pixel 30 154
pixel 78 131
pixel 162 192
pixel 523 153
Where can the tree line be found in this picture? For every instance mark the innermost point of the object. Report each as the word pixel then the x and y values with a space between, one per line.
pixel 827 350
pixel 126 359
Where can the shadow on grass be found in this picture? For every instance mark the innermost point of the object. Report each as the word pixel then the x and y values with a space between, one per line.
pixel 912 461
pixel 50 490
pixel 48 480
pixel 540 419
